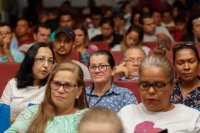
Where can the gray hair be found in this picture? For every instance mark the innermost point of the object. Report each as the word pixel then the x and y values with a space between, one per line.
pixel 158 61
pixel 134 47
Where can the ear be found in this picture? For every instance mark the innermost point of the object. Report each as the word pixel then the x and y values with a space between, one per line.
pixel 113 71
pixel 80 89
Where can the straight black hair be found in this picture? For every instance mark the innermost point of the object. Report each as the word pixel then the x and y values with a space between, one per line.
pixel 2 24
pixel 24 75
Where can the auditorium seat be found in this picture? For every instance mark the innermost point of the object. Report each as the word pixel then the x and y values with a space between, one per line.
pixel 101 45
pixel 7 72
pixel 118 55
pixel 151 45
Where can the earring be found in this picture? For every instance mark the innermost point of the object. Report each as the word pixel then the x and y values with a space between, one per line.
pixel 77 97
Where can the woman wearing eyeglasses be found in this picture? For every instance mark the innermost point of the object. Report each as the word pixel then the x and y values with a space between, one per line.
pixel 63 105
pixel 28 86
pixel 103 92
pixel 156 113
pixel 186 62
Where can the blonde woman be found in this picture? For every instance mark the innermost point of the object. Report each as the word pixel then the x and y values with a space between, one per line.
pixel 63 105
pixel 132 37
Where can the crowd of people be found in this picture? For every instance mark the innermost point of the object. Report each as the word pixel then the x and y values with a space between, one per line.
pixel 48 92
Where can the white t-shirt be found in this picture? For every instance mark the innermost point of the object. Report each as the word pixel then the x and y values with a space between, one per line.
pixel 84 68
pixel 18 99
pixel 181 119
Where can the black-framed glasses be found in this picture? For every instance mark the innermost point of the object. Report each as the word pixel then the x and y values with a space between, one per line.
pixel 68 87
pixel 133 60
pixel 182 44
pixel 42 60
pixel 101 68
pixel 158 86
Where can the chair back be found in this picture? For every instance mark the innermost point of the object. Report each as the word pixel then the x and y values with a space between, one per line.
pixel 7 71
pixel 75 55
pixel 117 55
pixel 131 85
pixel 5 117
pixel 101 45
pixel 151 45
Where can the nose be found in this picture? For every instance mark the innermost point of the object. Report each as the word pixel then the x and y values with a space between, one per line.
pixel 45 64
pixel 61 89
pixel 151 90
pixel 97 70
pixel 62 43
pixel 186 66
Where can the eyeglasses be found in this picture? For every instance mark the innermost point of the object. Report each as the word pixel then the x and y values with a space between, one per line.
pixel 182 44
pixel 68 87
pixel 132 60
pixel 43 60
pixel 5 32
pixel 101 68
pixel 158 86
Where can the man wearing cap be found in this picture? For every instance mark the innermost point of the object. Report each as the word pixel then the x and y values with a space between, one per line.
pixel 63 44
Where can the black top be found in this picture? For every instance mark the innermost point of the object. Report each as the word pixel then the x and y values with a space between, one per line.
pixel 116 39
pixel 187 37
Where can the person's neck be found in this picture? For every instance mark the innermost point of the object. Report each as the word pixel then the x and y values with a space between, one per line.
pixel 101 88
pixel 65 111
pixel 36 82
pixel 23 38
pixel 80 48
pixel 189 85
pixel 60 59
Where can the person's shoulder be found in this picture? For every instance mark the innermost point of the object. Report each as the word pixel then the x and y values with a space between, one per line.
pixel 185 109
pixel 97 38
pixel 121 89
pixel 187 37
pixel 130 107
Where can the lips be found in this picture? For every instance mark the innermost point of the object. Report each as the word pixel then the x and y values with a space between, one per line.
pixel 44 72
pixel 59 97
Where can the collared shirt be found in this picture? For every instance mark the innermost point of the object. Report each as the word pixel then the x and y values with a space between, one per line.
pixel 16 54
pixel 115 99
pixel 192 98
pixel 124 78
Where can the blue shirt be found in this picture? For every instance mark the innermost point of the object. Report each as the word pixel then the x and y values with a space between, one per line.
pixel 192 98
pixel 16 54
pixel 115 99
pixel 14 43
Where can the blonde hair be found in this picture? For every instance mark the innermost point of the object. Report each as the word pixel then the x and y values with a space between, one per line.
pixel 101 115
pixel 135 28
pixel 47 109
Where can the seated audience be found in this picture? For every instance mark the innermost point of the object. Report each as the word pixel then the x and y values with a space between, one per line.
pixel 132 58
pixel 135 18
pixel 63 45
pixel 8 54
pixel 186 62
pixel 127 9
pixel 41 34
pixel 193 29
pixel 64 19
pixel 107 12
pixel 180 27
pixel 156 113
pixel 63 105
pixel 28 86
pixel 157 17
pixel 167 19
pixel 119 22
pixel 108 34
pixel 82 43
pixel 103 92
pixel 132 37
pixel 153 33
pixel 22 32
pixel 106 120
pixel 96 17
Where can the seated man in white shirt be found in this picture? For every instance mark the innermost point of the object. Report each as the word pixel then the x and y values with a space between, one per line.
pixel 153 33
pixel 131 63
pixel 96 17
pixel 41 34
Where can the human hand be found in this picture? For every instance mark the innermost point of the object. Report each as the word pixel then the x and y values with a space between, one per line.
pixel 6 44
pixel 121 68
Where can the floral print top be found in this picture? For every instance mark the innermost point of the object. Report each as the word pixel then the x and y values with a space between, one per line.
pixel 192 98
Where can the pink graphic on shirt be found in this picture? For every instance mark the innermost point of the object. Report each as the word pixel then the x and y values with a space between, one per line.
pixel 146 127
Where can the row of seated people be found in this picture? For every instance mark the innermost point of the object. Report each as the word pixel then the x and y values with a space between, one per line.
pixel 63 97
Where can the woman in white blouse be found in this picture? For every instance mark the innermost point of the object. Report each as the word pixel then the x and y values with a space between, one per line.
pixel 28 86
